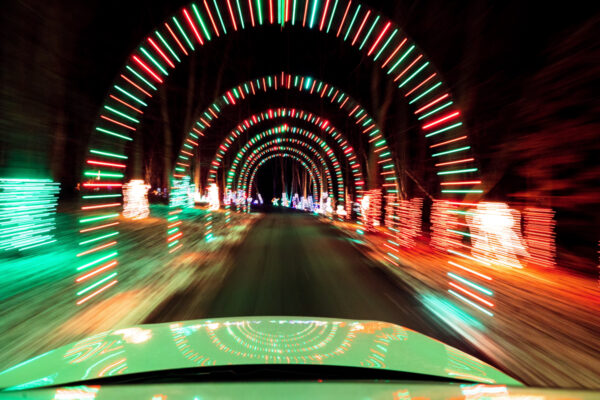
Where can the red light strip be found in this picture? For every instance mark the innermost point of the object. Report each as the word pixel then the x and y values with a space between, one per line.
pixel 461 183
pixel 251 12
pixel 102 184
pixel 409 67
pixel 193 26
pixel 473 295
pixel 95 228
pixel 136 86
pixel 175 236
pixel 343 19
pixel 163 55
pixel 271 11
pixel 106 164
pixel 425 107
pixel 394 53
pixel 147 69
pixel 125 103
pixel 447 142
pixel 442 119
pixel 100 206
pixel 455 162
pixel 96 271
pixel 176 40
pixel 420 84
pixel 362 25
pixel 104 246
pixel 387 26
pixel 232 16
pixel 323 17
pixel 305 12
pixel 117 123
pixel 211 18
pixel 96 292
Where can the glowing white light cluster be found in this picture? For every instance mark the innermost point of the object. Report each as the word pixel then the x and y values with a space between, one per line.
pixel 213 197
pixel 135 199
pixel 182 193
pixel 496 234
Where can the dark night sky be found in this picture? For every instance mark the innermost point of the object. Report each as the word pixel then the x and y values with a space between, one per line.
pixel 523 73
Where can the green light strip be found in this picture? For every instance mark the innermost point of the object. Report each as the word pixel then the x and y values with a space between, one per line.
pixel 101 196
pixel 444 129
pixel 425 93
pixel 332 14
pixel 477 306
pixel 352 23
pixel 411 48
pixel 457 171
pixel 98 238
pixel 107 154
pixel 98 261
pixel 463 191
pixel 220 18
pixel 199 18
pixel 187 39
pixel 448 104
pixel 240 13
pixel 156 63
pixel 414 74
pixel 451 151
pixel 87 289
pixel 141 78
pixel 98 218
pixel 121 114
pixel 471 284
pixel 166 44
pixel 99 173
pixel 387 42
pixel 113 133
pixel 126 93
pixel 369 33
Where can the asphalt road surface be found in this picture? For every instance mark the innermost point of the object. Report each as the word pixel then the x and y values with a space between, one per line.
pixel 291 264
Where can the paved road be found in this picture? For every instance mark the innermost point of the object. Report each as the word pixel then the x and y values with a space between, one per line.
pixel 291 264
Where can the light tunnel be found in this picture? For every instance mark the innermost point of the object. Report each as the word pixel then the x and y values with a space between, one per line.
pixel 370 33
pixel 311 170
pixel 243 183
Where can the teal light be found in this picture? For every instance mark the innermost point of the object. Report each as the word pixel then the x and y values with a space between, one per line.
pixel 27 213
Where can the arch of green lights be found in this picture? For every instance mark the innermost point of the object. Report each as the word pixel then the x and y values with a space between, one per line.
pixel 311 172
pixel 374 35
pixel 242 183
pixel 282 132
pixel 345 148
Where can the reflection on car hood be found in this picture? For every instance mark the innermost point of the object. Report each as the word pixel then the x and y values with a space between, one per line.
pixel 250 341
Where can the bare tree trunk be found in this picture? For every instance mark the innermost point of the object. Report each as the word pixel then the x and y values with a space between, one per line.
pixel 164 111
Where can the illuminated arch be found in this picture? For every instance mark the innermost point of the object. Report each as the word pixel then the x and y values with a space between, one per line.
pixel 345 148
pixel 285 155
pixel 280 143
pixel 292 130
pixel 373 34
pixel 243 182
pixel 304 84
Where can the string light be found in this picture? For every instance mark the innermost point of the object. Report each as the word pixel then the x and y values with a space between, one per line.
pixel 495 233
pixel 27 213
pixel 135 199
pixel 539 235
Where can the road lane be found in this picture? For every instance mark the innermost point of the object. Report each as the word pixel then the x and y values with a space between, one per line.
pixel 294 265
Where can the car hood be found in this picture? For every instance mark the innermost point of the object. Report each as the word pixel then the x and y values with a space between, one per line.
pixel 250 341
